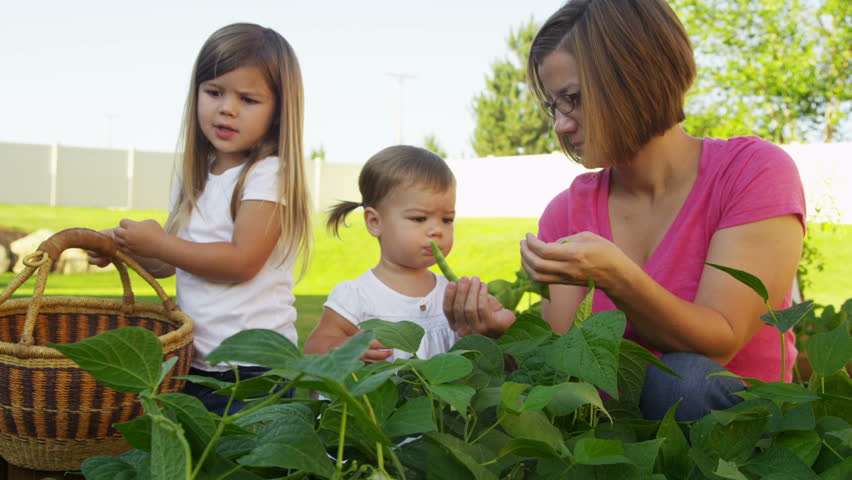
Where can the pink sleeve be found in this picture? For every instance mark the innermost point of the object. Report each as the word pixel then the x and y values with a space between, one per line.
pixel 764 184
pixel 553 223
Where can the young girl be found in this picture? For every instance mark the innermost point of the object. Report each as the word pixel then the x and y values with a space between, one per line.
pixel 409 199
pixel 240 214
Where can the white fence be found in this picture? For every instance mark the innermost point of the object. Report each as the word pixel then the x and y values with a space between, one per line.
pixel 487 187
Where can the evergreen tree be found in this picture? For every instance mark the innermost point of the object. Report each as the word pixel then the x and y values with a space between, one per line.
pixel 509 120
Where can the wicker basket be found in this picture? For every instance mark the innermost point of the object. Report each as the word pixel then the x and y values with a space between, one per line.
pixel 54 415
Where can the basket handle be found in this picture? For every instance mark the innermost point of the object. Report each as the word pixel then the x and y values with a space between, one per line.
pixel 87 239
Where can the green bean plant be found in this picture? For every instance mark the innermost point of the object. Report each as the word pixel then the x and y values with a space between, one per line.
pixel 531 404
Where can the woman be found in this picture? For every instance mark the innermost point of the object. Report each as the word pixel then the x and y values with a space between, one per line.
pixel 613 74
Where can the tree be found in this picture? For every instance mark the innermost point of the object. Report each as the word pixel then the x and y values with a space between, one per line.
pixel 317 153
pixel 431 143
pixel 773 68
pixel 509 120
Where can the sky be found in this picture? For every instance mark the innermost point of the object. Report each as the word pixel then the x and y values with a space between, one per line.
pixel 115 74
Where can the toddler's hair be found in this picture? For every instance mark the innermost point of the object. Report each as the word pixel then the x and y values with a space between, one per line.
pixel 393 167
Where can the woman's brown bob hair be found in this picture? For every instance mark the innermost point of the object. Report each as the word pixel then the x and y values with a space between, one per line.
pixel 635 63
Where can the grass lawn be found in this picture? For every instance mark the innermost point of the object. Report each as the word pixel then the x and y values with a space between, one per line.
pixel 487 247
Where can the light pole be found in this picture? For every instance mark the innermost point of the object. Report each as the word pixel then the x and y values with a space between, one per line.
pixel 400 78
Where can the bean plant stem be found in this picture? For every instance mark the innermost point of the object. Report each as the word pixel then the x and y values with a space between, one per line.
pixel 226 420
pixel 429 393
pixel 832 450
pixel 341 440
pixel 489 429
pixel 783 343
pixel 229 472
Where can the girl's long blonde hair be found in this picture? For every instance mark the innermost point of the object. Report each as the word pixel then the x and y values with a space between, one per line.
pixel 231 47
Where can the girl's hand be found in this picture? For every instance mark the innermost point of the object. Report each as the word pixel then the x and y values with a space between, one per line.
pixel 377 352
pixel 572 260
pixel 143 238
pixel 471 310
pixel 95 258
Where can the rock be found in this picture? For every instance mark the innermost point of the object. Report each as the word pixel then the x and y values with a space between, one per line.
pixel 7 258
pixel 27 245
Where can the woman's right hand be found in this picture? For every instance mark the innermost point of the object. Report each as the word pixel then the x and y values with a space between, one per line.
pixel 471 310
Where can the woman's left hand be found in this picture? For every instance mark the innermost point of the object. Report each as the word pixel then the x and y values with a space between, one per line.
pixel 572 260
pixel 140 238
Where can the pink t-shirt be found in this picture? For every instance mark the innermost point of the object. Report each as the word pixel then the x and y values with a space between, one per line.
pixel 740 180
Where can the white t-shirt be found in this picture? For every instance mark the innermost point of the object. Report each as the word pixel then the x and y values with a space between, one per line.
pixel 221 309
pixel 366 298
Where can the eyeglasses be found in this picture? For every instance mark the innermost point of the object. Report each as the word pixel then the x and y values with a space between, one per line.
pixel 565 103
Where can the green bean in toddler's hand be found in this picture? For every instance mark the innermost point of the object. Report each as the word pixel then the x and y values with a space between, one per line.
pixel 442 263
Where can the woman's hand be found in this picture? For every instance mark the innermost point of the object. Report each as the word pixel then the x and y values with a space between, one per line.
pixel 572 260
pixel 140 238
pixel 471 310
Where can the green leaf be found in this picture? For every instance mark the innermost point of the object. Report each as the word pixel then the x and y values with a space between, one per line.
pixel 445 367
pixel 193 417
pixel 383 401
pixel 170 455
pixel 137 432
pixel 372 381
pixel 830 351
pixel 127 359
pixel 526 448
pixel 839 471
pixel 166 368
pixel 633 362
pixel 783 392
pixel 780 461
pixel 643 454
pixel 429 459
pixel 729 470
pixel 262 347
pixel 596 451
pixel 566 397
pixel 788 317
pixel 674 458
pixel 752 409
pixel 733 441
pixel 486 351
pixel 806 445
pixel 584 310
pixel 533 425
pixel 206 381
pixel 340 362
pixel 413 417
pixel 844 435
pixel 108 468
pixel 458 396
pixel 233 447
pixel 292 443
pixel 748 279
pixel 508 294
pixel 272 412
pixel 590 352
pixel 404 335
pixel 464 453
pixel 510 396
pixel 525 335
pixel 797 417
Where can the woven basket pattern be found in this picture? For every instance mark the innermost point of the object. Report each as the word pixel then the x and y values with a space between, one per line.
pixel 54 415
